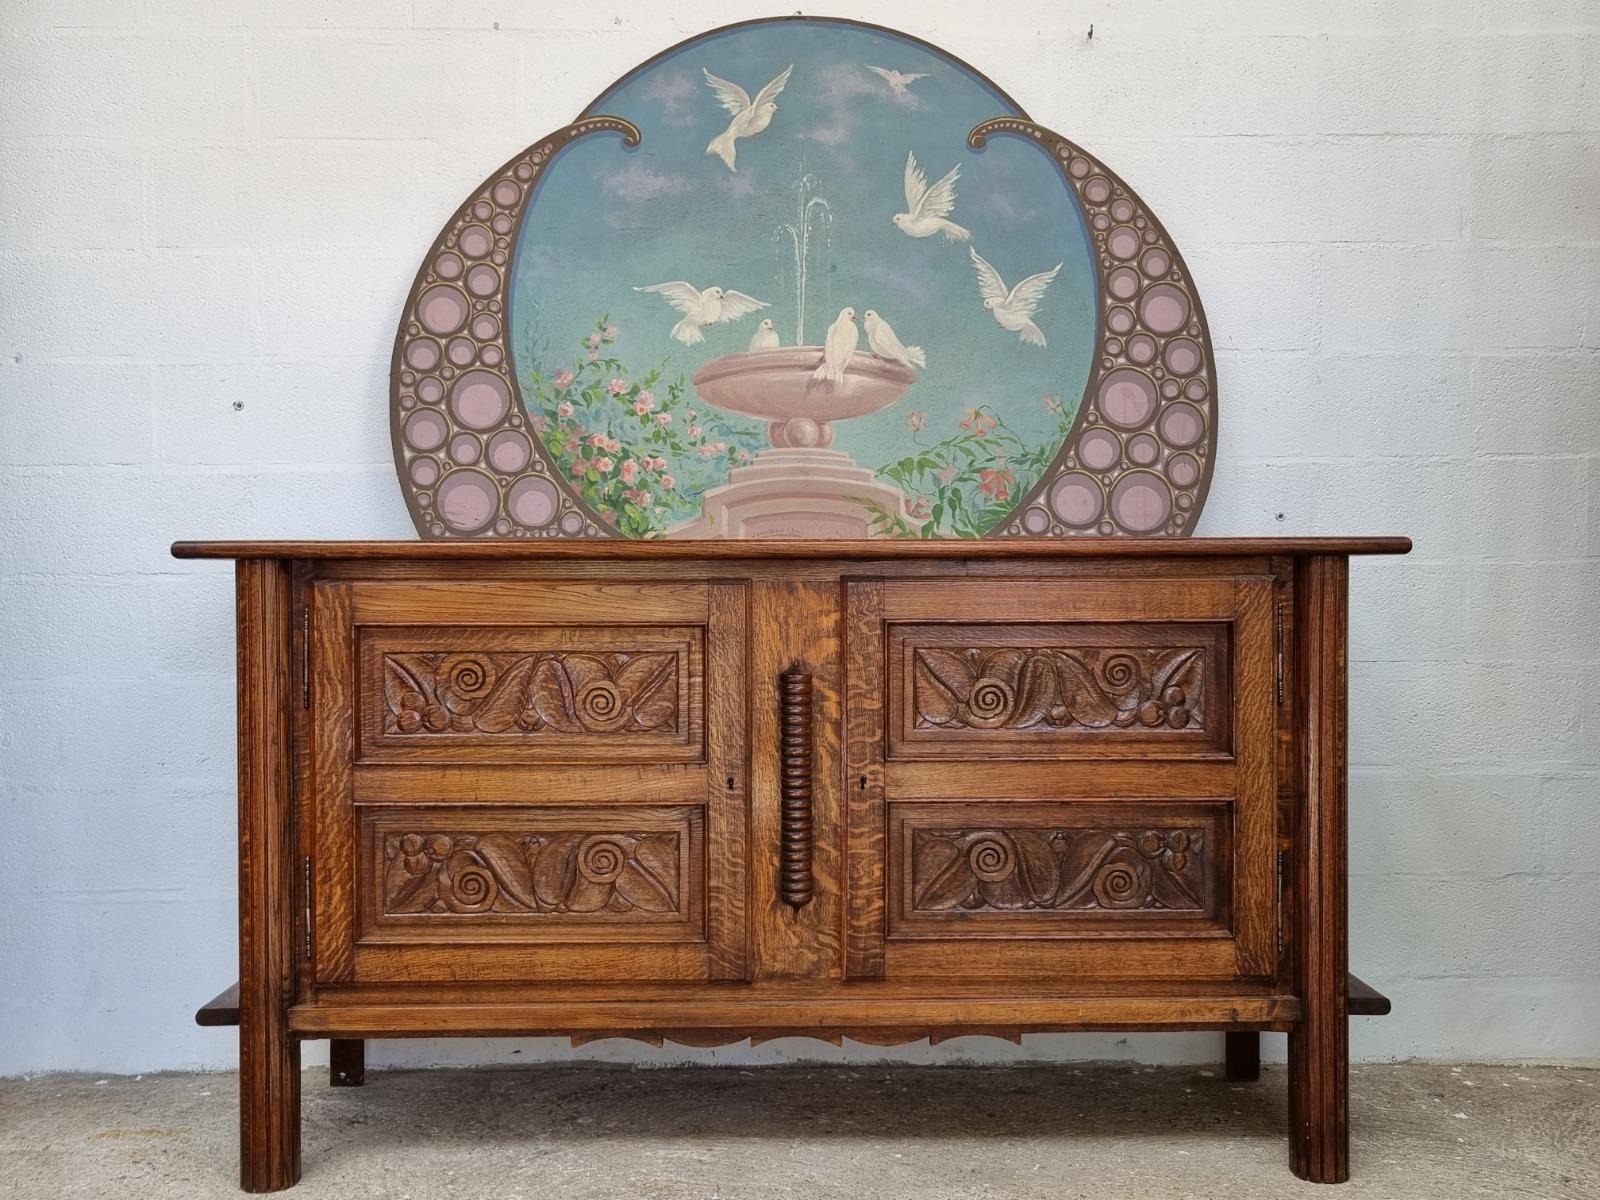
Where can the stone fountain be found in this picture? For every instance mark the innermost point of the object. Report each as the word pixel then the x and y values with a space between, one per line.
pixel 800 487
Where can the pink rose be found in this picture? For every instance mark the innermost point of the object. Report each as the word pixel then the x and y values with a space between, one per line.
pixel 613 445
pixel 744 456
pixel 630 471
pixel 611 332
pixel 617 386
pixel 719 447
pixel 695 431
pixel 663 419
pixel 644 499
pixel 563 380
pixel 603 465
pixel 705 451
pixel 648 397
pixel 563 409
pixel 668 482
pixel 598 441
pixel 593 340
pixel 689 415
pixel 640 408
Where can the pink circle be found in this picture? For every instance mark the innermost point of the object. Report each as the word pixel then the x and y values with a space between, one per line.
pixel 475 241
pixel 1195 389
pixel 1078 168
pixel 1164 308
pixel 461 351
pixel 464 448
pixel 1143 449
pixel 442 309
pixel 424 472
pixel 467 500
pixel 506 193
pixel 571 523
pixel 485 328
pixel 509 452
pixel 1076 499
pixel 1183 356
pixel 1141 348
pixel 425 430
pixel 1184 469
pixel 1035 520
pixel 1141 501
pixel 1182 425
pixel 1155 263
pixel 532 500
pixel 480 399
pixel 447 265
pixel 491 356
pixel 430 390
pixel 423 354
pixel 1123 242
pixel 1123 283
pixel 1122 209
pixel 502 224
pixel 483 280
pixel 1099 449
pixel 1127 398
pixel 1119 320
pixel 1096 190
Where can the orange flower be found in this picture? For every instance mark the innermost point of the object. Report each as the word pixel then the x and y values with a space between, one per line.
pixel 996 482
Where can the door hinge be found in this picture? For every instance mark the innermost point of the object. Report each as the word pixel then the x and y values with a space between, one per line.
pixel 305 654
pixel 307 870
pixel 1282 855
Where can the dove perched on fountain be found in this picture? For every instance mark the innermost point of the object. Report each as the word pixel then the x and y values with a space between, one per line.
pixel 897 80
pixel 883 342
pixel 750 117
pixel 837 347
pixel 1013 308
pixel 928 208
pixel 766 337
pixel 707 307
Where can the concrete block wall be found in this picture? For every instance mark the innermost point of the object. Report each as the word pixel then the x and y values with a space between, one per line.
pixel 210 212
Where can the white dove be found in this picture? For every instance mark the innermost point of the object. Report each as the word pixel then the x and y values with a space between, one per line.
pixel 1013 309
pixel 929 207
pixel 766 337
pixel 885 344
pixel 702 307
pixel 896 80
pixel 750 117
pixel 837 348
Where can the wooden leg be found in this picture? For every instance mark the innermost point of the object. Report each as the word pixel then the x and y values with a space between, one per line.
pixel 347 1062
pixel 269 1055
pixel 1243 1055
pixel 1319 1046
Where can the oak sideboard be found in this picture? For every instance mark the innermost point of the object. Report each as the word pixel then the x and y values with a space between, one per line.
pixel 714 790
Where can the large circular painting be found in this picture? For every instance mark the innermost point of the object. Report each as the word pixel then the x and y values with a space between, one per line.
pixel 803 278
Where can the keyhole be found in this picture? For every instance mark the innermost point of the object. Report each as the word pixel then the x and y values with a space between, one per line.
pixel 730 783
pixel 863 783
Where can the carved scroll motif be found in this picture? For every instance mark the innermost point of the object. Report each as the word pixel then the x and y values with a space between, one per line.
pixel 1047 688
pixel 1067 870
pixel 549 691
pixel 554 874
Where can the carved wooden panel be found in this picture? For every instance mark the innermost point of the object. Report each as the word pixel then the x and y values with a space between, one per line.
pixel 1086 689
pixel 1057 868
pixel 522 873
pixel 563 693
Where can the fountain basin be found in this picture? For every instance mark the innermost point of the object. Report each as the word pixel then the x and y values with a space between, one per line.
pixel 776 385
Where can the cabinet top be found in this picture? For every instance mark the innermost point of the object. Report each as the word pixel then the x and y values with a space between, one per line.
pixel 501 549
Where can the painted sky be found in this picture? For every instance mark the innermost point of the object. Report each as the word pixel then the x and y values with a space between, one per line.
pixel 606 219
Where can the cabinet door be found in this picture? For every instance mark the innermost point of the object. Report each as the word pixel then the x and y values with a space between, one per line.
pixel 1054 778
pixel 523 781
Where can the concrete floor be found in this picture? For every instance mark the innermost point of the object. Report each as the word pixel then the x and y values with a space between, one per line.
pixel 809 1133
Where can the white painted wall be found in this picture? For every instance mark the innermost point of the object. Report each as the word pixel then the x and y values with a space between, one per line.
pixel 210 212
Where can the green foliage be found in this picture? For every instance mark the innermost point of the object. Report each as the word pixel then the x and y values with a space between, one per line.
pixel 639 457
pixel 966 483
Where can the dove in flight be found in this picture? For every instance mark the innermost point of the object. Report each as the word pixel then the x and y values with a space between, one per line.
pixel 702 307
pixel 896 80
pixel 837 348
pixel 881 338
pixel 1013 309
pixel 928 208
pixel 766 337
pixel 750 117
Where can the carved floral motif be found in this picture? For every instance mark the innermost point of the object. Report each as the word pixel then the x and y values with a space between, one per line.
pixel 1061 869
pixel 1051 688
pixel 560 691
pixel 567 872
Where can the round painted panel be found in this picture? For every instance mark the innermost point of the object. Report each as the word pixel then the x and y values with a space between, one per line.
pixel 803 278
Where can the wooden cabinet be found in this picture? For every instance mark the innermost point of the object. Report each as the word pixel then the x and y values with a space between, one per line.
pixel 710 791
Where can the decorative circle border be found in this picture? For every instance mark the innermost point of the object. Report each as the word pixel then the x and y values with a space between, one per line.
pixel 1137 461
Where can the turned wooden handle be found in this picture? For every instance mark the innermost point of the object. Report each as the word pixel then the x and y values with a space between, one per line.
pixel 794 742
